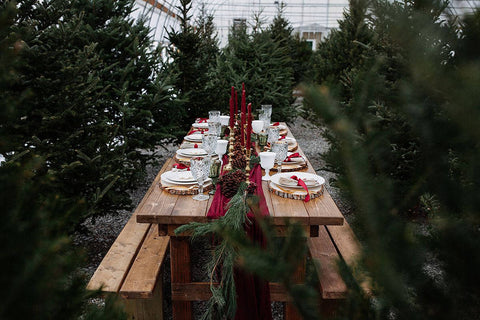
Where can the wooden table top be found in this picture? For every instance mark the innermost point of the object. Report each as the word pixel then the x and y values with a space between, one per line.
pixel 161 207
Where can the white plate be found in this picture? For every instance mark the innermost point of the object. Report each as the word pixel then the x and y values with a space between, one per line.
pixel 202 125
pixel 179 176
pixel 280 126
pixel 302 175
pixel 294 160
pixel 189 145
pixel 171 182
pixel 196 137
pixel 165 177
pixel 289 140
pixel 192 152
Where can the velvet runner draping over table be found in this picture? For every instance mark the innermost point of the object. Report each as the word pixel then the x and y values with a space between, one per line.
pixel 253 294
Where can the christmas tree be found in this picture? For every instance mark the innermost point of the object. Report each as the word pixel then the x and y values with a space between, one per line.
pixel 262 63
pixel 39 265
pixel 194 51
pixel 92 99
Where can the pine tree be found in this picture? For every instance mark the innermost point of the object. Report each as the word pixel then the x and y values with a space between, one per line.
pixel 263 64
pixel 345 47
pixel 433 99
pixel 39 265
pixel 193 51
pixel 300 54
pixel 90 106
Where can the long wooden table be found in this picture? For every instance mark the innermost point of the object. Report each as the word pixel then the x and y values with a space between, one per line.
pixel 171 211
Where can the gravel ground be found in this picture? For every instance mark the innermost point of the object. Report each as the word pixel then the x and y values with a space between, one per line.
pixel 101 235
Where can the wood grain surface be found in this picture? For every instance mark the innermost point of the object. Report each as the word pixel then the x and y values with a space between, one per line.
pixel 164 208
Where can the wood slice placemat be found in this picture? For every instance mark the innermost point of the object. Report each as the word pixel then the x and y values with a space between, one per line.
pixel 292 147
pixel 184 190
pixel 292 167
pixel 295 194
pixel 186 160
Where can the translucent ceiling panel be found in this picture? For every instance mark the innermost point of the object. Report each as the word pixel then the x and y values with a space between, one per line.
pixel 302 14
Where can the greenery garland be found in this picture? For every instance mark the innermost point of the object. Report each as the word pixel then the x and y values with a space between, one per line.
pixel 223 301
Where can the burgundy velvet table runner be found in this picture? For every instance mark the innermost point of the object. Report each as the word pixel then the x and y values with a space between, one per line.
pixel 253 294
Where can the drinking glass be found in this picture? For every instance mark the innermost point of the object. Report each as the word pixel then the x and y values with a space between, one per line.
pixel 262 139
pixel 214 127
pixel 267 160
pixel 224 120
pixel 263 115
pixel 273 135
pixel 221 149
pixel 209 142
pixel 280 148
pixel 214 115
pixel 268 109
pixel 257 126
pixel 200 168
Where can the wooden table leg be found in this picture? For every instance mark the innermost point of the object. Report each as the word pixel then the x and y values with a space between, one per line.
pixel 180 273
pixel 298 277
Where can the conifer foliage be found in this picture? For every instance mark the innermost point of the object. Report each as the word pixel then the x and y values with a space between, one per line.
pixel 262 63
pixel 416 89
pixel 39 267
pixel 193 51
pixel 91 98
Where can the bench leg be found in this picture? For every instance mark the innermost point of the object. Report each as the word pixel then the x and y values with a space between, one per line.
pixel 180 273
pixel 146 309
pixel 298 277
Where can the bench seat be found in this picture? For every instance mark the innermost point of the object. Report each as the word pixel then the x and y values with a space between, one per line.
pixel 133 264
pixel 332 244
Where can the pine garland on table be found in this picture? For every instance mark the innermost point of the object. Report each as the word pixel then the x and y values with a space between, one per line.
pixel 223 303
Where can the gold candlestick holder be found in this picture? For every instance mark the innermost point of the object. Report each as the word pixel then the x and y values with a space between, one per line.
pixel 231 140
pixel 248 155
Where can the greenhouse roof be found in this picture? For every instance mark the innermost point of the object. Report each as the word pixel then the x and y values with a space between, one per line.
pixel 163 15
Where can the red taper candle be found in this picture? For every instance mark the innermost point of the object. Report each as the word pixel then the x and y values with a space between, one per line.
pixel 249 127
pixel 232 115
pixel 236 103
pixel 230 121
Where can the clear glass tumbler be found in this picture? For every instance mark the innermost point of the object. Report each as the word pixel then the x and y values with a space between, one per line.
pixel 200 168
pixel 214 127
pixel 280 148
pixel 273 135
pixel 214 115
pixel 268 109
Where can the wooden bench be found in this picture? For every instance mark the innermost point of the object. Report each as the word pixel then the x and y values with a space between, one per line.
pixel 334 243
pixel 132 267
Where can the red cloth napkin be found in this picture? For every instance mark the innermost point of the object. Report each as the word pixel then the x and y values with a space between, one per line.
pixel 181 166
pixel 201 120
pixel 198 130
pixel 303 185
pixel 289 158
pixel 276 124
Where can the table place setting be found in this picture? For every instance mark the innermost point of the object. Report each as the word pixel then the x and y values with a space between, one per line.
pixel 292 162
pixel 282 129
pixel 201 125
pixel 189 145
pixel 191 152
pixel 279 126
pixel 194 137
pixel 182 182
pixel 297 185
